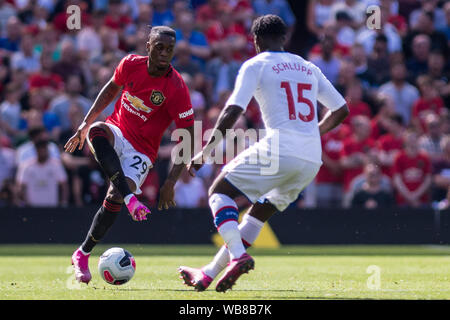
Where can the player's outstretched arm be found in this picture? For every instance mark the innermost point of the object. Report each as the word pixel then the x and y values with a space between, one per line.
pixel 226 120
pixel 104 98
pixel 333 119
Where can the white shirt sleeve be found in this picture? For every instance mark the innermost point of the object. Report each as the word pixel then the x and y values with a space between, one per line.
pixel 327 93
pixel 246 83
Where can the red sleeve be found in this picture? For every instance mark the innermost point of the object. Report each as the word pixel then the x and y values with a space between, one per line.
pixel 120 72
pixel 181 108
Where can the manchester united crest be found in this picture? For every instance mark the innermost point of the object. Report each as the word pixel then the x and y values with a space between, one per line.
pixel 157 98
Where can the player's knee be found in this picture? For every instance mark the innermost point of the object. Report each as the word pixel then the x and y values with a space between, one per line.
pixel 114 195
pixel 97 130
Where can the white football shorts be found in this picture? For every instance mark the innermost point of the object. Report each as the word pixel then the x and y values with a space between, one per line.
pixel 281 187
pixel 135 165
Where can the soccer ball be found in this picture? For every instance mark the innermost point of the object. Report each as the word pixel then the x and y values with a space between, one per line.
pixel 116 266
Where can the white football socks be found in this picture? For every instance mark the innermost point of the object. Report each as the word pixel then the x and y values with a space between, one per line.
pixel 249 228
pixel 225 214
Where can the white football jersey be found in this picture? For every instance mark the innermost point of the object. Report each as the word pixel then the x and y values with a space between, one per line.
pixel 287 88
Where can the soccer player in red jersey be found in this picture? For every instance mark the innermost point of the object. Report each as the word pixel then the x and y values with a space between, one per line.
pixel 126 144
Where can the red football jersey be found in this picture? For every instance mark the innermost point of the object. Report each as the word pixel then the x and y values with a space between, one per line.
pixel 422 107
pixel 148 105
pixel 332 145
pixel 389 143
pixel 412 171
pixel 351 146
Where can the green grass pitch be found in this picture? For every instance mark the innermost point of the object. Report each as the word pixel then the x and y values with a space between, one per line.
pixel 291 272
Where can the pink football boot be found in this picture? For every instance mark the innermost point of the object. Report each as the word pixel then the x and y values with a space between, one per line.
pixel 137 210
pixel 80 263
pixel 195 278
pixel 234 270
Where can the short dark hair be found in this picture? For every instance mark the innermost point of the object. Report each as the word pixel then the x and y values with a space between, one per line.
pixel 34 132
pixel 269 25
pixel 158 30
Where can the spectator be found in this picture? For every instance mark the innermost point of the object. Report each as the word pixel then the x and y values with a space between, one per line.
pixel 378 62
pixel 429 102
pixel 439 75
pixel 10 112
pixel 402 93
pixel 430 142
pixel 222 72
pixel 38 115
pixel 425 26
pixel 27 150
pixel 190 192
pixel 209 12
pixel 329 31
pixel 184 62
pixel 45 78
pixel 61 104
pixel 162 14
pixel 327 61
pixel 358 150
pixel 346 76
pixel 356 11
pixel 328 183
pixel 80 163
pixel 225 32
pixel 88 39
pixel 412 174
pixel 11 40
pixel 359 58
pixel 39 180
pixel 7 10
pixel 428 6
pixel 116 18
pixel 7 170
pixel 390 144
pixel 446 28
pixel 319 12
pixel 26 59
pixel 197 99
pixel 353 96
pixel 441 172
pixel 69 64
pixel 345 35
pixel 372 195
pixel 385 112
pixel 196 40
pixel 418 63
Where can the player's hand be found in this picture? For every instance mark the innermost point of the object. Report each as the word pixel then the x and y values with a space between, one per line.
pixel 166 195
pixel 77 139
pixel 195 164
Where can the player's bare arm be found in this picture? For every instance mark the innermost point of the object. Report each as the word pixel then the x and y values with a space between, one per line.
pixel 104 98
pixel 226 120
pixel 166 197
pixel 333 119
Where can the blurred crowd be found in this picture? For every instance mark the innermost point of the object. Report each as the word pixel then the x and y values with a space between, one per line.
pixel 393 149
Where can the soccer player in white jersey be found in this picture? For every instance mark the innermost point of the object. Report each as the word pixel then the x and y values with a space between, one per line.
pixel 287 89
